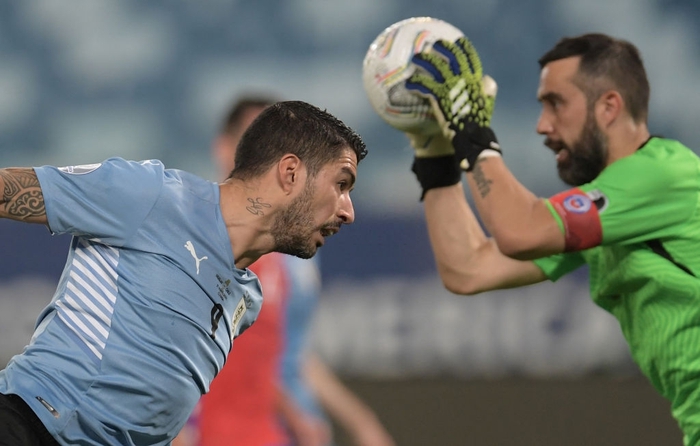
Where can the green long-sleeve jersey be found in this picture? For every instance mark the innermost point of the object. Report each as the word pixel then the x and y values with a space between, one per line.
pixel 637 226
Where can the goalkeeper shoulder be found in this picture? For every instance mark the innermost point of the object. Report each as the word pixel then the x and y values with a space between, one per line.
pixel 463 101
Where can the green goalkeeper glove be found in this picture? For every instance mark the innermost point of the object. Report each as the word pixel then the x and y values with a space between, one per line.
pixel 462 98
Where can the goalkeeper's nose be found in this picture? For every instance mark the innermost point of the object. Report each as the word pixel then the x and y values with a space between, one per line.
pixel 544 123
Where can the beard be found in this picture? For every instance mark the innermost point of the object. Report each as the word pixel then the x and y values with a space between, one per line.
pixel 586 157
pixel 294 227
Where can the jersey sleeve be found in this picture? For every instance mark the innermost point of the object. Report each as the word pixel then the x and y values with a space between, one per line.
pixel 105 201
pixel 635 199
pixel 558 265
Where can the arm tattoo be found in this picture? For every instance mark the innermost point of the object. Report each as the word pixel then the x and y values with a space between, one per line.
pixel 482 183
pixel 21 197
pixel 256 206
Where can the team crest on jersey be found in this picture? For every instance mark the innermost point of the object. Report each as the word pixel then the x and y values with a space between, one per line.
pixel 577 203
pixel 599 200
pixel 81 169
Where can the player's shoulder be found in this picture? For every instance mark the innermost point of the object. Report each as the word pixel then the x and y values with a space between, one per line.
pixel 139 173
pixel 113 166
pixel 665 150
pixel 659 167
pixel 153 167
pixel 152 179
pixel 658 160
pixel 150 165
pixel 119 173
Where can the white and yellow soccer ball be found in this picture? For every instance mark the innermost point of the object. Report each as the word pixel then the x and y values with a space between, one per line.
pixel 387 65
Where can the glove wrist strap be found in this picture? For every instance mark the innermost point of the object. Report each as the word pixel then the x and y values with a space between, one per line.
pixel 473 143
pixel 436 172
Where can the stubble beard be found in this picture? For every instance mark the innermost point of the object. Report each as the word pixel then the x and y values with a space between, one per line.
pixel 294 227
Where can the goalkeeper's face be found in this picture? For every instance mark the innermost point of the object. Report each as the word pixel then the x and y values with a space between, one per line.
pixel 569 125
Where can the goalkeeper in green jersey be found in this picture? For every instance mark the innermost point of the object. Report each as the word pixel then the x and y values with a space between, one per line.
pixel 632 213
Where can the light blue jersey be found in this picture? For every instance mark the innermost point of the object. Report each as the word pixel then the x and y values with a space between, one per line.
pixel 145 311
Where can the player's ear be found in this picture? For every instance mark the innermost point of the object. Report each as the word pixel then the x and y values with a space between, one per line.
pixel 608 107
pixel 290 172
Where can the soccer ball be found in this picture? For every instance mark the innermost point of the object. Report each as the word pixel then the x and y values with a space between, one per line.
pixel 387 65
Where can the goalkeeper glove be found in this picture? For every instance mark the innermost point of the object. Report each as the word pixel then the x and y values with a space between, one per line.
pixel 434 163
pixel 462 98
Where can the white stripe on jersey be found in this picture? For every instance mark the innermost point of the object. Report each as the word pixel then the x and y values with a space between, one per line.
pixel 91 292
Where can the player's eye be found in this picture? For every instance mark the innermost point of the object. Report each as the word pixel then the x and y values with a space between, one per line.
pixel 549 106
pixel 346 186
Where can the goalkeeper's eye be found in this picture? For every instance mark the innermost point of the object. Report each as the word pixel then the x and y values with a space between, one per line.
pixel 552 100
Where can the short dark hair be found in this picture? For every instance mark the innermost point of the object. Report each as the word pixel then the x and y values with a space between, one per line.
pixel 314 135
pixel 233 119
pixel 604 61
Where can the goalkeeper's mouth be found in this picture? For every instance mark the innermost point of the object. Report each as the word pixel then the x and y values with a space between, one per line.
pixel 559 148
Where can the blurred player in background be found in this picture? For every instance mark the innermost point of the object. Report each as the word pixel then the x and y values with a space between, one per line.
pixel 274 400
pixel 156 285
pixel 632 214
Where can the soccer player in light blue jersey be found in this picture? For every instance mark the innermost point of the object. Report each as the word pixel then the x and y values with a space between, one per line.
pixel 284 393
pixel 156 284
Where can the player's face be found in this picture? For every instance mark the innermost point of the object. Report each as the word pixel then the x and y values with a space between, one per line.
pixel 569 125
pixel 319 211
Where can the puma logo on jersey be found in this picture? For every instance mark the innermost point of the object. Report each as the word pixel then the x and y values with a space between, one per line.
pixel 198 260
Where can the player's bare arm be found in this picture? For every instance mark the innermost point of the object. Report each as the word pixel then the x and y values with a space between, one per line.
pixel 463 98
pixel 519 221
pixel 21 197
pixel 467 260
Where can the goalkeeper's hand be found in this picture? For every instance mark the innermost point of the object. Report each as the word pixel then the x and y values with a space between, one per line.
pixel 434 164
pixel 462 98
